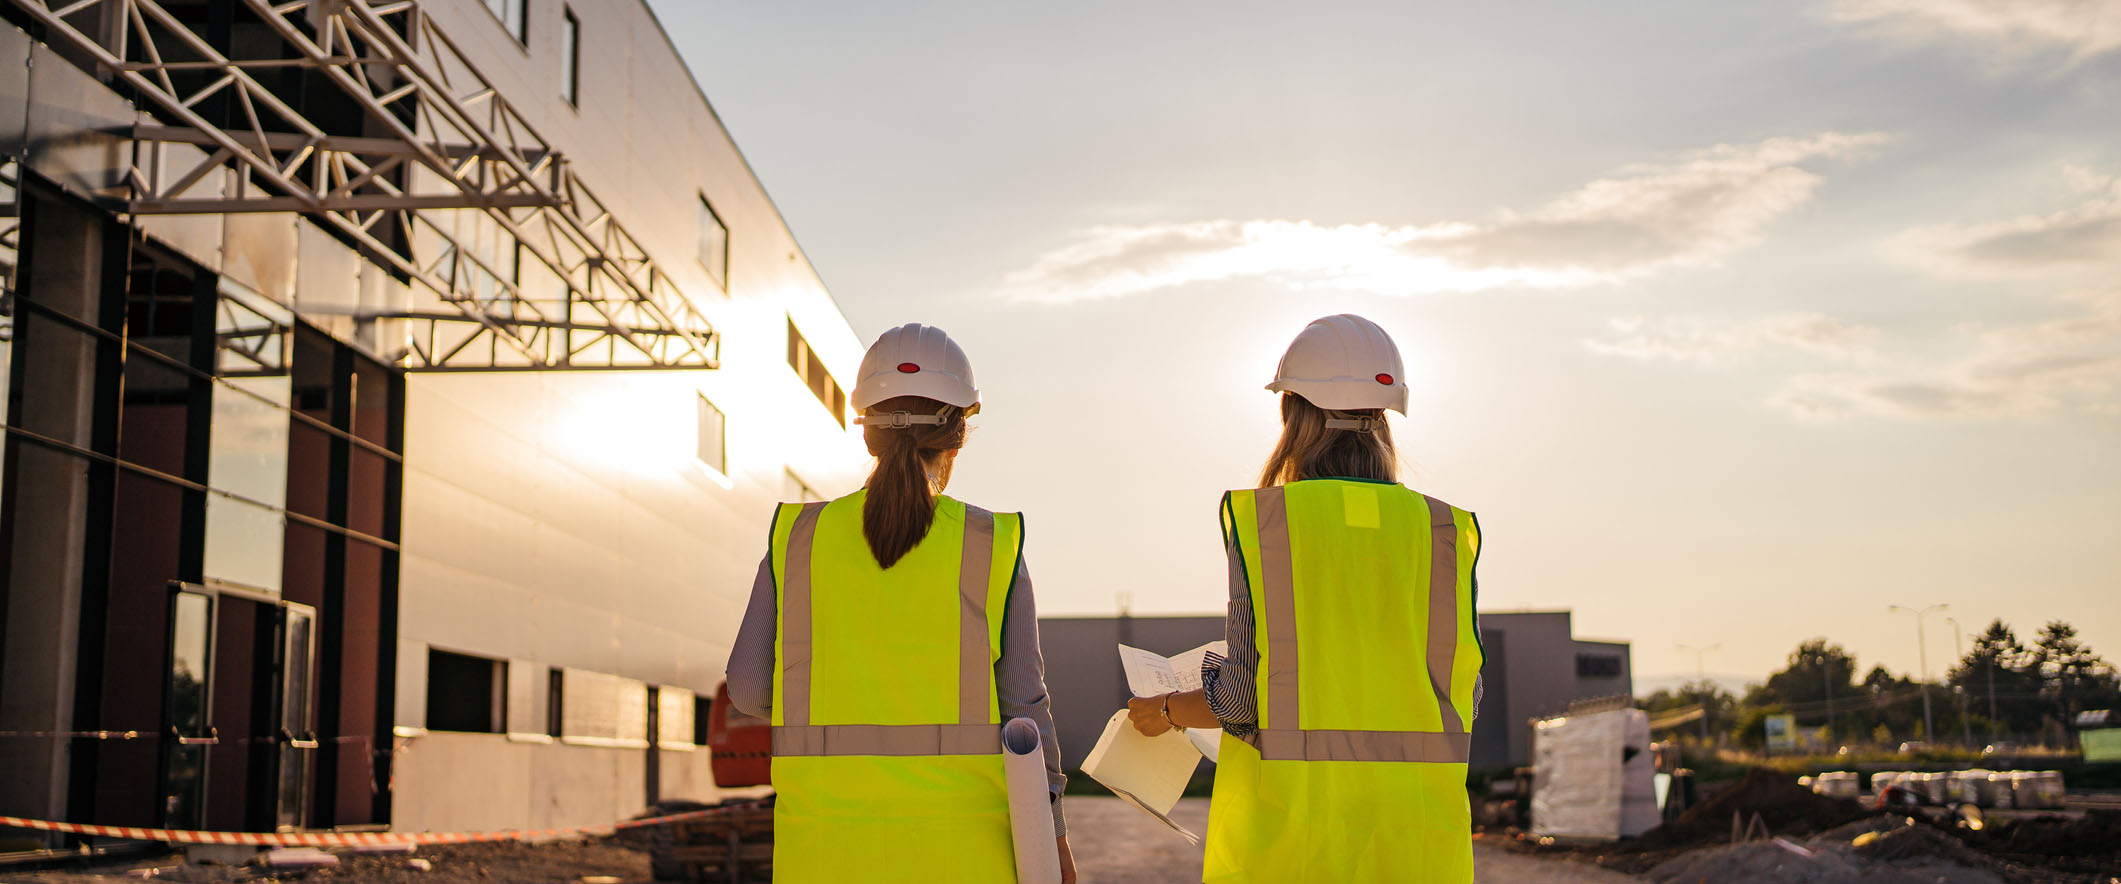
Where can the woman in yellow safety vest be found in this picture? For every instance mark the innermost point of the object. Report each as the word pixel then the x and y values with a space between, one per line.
pixel 890 633
pixel 1347 697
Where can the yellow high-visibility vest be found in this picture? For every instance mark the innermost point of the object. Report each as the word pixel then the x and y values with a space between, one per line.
pixel 886 728
pixel 1362 605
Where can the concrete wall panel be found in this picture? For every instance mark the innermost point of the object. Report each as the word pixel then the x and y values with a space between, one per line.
pixel 327 281
pixel 687 776
pixel 259 251
pixel 446 782
pixel 14 90
pixel 74 125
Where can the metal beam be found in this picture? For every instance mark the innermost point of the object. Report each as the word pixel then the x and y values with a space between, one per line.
pixel 352 144
pixel 466 148
pixel 362 203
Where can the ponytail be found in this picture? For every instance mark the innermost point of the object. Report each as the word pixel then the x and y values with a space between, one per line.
pixel 901 501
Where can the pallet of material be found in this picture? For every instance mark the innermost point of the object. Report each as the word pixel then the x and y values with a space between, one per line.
pixel 736 848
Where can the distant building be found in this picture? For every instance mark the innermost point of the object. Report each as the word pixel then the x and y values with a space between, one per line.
pixel 396 398
pixel 1083 674
pixel 1536 667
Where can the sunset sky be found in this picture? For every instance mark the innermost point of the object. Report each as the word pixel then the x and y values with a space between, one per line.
pixel 1734 322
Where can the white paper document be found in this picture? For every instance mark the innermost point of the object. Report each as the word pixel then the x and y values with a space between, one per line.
pixel 1150 674
pixel 1147 772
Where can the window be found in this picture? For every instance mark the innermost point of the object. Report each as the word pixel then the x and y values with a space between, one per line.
pixel 514 15
pixel 714 245
pixel 570 57
pixel 812 370
pixel 702 721
pixel 714 437
pixel 795 490
pixel 1597 666
pixel 555 695
pixel 674 727
pixel 466 693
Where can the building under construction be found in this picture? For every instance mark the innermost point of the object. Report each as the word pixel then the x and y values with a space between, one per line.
pixel 397 393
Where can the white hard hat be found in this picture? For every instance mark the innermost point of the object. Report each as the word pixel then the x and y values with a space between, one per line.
pixel 1343 363
pixel 915 360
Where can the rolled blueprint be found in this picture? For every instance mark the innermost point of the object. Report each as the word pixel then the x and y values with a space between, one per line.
pixel 1030 804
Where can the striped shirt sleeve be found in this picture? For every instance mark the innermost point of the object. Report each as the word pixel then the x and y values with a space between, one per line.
pixel 1228 682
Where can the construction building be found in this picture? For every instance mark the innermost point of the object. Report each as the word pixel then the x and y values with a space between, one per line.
pixel 397 394
pixel 1536 667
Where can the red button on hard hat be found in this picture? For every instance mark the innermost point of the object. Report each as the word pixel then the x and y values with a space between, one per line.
pixel 908 368
pixel 1385 379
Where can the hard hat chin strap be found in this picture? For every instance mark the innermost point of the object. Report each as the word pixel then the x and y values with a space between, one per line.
pixel 899 420
pixel 1359 424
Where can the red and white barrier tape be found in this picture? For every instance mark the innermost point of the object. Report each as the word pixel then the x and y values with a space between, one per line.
pixel 351 839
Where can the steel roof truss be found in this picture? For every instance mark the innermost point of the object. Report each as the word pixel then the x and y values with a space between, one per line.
pixel 463 137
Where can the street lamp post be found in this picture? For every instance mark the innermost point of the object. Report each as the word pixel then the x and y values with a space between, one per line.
pixel 1929 725
pixel 1701 677
pixel 1966 728
pixel 1826 676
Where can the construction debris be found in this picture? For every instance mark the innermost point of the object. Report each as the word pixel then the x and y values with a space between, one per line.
pixel 506 862
pixel 1768 828
pixel 1891 854
pixel 298 858
pixel 1781 806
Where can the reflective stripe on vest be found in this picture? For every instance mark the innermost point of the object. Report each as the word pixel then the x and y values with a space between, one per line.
pixel 1281 737
pixel 975 733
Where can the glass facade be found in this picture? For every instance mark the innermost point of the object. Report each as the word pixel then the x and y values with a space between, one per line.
pixel 200 488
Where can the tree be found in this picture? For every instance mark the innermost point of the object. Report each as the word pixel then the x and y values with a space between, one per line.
pixel 1892 704
pixel 2072 679
pixel 1820 675
pixel 2001 682
pixel 1705 694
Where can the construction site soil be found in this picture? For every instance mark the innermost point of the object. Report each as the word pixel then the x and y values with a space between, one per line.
pixel 503 862
pixel 1819 840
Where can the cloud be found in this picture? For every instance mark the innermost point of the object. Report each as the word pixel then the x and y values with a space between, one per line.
pixel 2068 364
pixel 1710 342
pixel 2084 28
pixel 2083 237
pixel 1692 210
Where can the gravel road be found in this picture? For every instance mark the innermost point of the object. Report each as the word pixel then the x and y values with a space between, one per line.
pixel 1116 844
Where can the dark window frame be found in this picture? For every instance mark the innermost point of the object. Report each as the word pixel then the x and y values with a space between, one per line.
pixel 1600 666
pixel 556 702
pixel 571 58
pixel 811 370
pixel 521 31
pixel 721 442
pixel 719 276
pixel 495 682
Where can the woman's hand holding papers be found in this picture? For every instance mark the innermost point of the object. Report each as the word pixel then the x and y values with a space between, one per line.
pixel 1147 714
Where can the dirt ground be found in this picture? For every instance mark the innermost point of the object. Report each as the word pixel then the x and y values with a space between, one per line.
pixel 563 862
pixel 1820 844
pixel 1114 844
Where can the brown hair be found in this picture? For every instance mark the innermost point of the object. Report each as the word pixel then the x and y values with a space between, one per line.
pixel 901 502
pixel 1308 450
